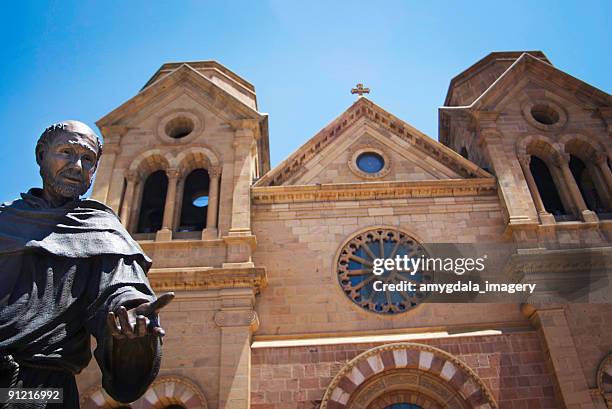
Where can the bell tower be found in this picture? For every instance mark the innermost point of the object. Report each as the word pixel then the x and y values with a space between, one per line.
pixel 179 161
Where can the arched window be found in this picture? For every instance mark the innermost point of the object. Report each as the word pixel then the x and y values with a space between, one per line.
pixel 546 187
pixel 174 407
pixel 585 183
pixel 195 201
pixel 153 201
pixel 464 153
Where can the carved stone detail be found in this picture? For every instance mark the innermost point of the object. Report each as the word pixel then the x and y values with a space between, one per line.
pixel 237 318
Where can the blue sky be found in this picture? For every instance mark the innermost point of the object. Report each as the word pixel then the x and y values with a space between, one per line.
pixel 80 60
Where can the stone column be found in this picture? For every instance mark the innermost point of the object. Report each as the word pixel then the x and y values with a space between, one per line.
pixel 237 320
pixel 211 232
pixel 545 217
pixel 165 233
pixel 128 197
pixel 180 191
pixel 586 214
pixel 557 338
pixel 601 161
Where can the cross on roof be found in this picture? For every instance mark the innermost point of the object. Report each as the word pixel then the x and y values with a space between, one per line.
pixel 360 90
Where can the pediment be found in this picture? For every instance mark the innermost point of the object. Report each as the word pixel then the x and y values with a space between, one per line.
pixel 183 79
pixel 531 69
pixel 326 157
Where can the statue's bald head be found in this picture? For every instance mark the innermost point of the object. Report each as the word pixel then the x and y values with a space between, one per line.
pixel 70 126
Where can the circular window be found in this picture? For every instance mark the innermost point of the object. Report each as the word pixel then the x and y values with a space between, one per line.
pixel 372 292
pixel 544 114
pixel 179 127
pixel 370 162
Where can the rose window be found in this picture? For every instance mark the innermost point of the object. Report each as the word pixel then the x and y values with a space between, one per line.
pixel 356 276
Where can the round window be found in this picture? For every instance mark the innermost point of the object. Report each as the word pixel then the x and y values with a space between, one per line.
pixel 179 127
pixel 372 292
pixel 545 114
pixel 370 162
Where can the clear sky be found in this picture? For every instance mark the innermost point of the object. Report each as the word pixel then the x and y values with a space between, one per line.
pixel 81 59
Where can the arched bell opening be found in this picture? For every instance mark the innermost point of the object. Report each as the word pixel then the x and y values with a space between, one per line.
pixel 548 189
pixel 587 186
pixel 195 199
pixel 152 204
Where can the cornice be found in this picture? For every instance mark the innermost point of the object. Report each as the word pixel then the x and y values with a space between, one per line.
pixel 373 190
pixel 206 278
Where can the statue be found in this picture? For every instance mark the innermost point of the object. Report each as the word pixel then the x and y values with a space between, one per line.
pixel 68 270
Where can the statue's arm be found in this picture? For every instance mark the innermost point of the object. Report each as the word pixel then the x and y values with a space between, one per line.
pixel 129 362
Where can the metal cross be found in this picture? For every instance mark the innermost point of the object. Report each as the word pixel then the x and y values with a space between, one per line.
pixel 360 90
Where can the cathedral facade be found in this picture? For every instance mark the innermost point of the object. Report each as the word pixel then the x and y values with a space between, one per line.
pixel 272 267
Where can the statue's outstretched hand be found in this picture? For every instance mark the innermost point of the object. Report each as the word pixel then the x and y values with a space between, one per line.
pixel 140 321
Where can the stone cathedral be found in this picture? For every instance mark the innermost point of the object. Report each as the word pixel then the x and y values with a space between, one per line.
pixel 274 308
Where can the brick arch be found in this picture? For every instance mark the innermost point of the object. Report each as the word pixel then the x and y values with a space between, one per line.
pixel 582 146
pixel 539 145
pixel 194 158
pixel 150 161
pixel 164 391
pixel 417 368
pixel 604 379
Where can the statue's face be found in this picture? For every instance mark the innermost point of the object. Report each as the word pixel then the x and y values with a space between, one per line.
pixel 68 164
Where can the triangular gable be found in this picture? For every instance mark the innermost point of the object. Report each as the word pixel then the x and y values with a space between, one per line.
pixel 366 111
pixel 543 70
pixel 225 100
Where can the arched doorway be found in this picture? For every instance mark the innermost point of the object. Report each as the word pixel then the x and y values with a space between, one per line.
pixel 407 374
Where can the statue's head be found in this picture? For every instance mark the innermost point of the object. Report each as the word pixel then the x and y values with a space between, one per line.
pixel 68 154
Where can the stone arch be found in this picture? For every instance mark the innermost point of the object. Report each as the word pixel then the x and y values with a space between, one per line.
pixel 164 391
pixel 408 368
pixel 541 146
pixel 604 379
pixel 193 158
pixel 582 146
pixel 150 161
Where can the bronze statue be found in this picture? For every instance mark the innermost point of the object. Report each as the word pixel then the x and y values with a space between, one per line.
pixel 69 269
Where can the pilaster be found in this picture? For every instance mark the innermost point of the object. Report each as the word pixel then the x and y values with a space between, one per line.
pixel 237 320
pixel 552 324
pixel 514 199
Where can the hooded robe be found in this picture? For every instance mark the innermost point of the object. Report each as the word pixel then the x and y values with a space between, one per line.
pixel 62 270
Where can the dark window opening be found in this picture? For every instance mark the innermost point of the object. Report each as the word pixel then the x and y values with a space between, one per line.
pixel 153 202
pixel 546 187
pixel 464 153
pixel 403 406
pixel 179 127
pixel 174 407
pixel 583 178
pixel 195 202
pixel 545 114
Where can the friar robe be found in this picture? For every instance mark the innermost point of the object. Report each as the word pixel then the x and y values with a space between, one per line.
pixel 62 270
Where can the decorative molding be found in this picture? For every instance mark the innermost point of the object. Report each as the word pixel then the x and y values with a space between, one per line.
pixel 237 318
pixel 354 154
pixel 204 278
pixel 373 190
pixel 194 116
pixel 164 391
pixel 388 359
